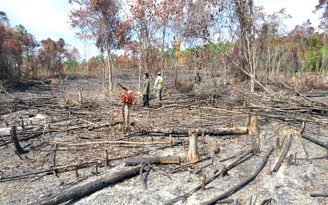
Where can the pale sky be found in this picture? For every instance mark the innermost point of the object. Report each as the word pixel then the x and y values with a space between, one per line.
pixel 49 18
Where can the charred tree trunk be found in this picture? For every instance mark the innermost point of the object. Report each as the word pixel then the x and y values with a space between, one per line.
pixel 212 132
pixel 89 188
pixel 13 134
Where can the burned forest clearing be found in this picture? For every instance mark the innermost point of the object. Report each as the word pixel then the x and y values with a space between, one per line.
pixel 67 142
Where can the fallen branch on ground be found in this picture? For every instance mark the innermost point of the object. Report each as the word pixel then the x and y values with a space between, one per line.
pixel 319 194
pixel 234 189
pixel 283 154
pixel 58 169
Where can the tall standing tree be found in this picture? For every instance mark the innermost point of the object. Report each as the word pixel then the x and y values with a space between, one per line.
pixel 100 20
pixel 52 55
pixel 245 15
pixel 143 17
pixel 323 5
pixel 29 46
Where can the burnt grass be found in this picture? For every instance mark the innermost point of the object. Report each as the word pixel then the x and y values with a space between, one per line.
pixel 59 131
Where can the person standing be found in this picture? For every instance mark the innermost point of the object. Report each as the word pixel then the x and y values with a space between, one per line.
pixel 198 79
pixel 145 90
pixel 158 86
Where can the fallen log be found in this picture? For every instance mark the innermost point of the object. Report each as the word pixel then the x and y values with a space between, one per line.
pixel 185 132
pixel 153 160
pixel 107 142
pixel 214 132
pixel 90 187
pixel 243 183
pixel 282 155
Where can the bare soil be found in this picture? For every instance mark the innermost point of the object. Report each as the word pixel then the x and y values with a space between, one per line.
pixel 61 132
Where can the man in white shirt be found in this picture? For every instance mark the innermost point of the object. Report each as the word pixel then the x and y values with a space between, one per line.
pixel 158 86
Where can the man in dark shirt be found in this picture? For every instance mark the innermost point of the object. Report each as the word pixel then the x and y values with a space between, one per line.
pixel 145 90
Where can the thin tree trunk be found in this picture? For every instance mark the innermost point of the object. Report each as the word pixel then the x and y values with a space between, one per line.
pixel 323 65
pixel 140 69
pixel 252 46
pixel 110 72
pixel 103 70
pixel 163 45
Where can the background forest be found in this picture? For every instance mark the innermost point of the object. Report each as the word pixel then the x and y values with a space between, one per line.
pixel 231 38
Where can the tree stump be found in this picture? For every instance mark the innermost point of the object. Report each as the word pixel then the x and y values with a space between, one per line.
pixel 193 154
pixel 127 99
pixel 252 124
pixel 126 118
pixel 80 95
pixel 253 131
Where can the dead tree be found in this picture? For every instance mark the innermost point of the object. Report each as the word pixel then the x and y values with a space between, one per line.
pixel 244 11
pixel 193 154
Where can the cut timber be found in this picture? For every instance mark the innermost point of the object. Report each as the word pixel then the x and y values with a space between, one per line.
pixel 90 187
pixel 214 132
pixel 283 154
pixel 242 183
pixel 193 154
pixel 13 134
pixel 153 160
